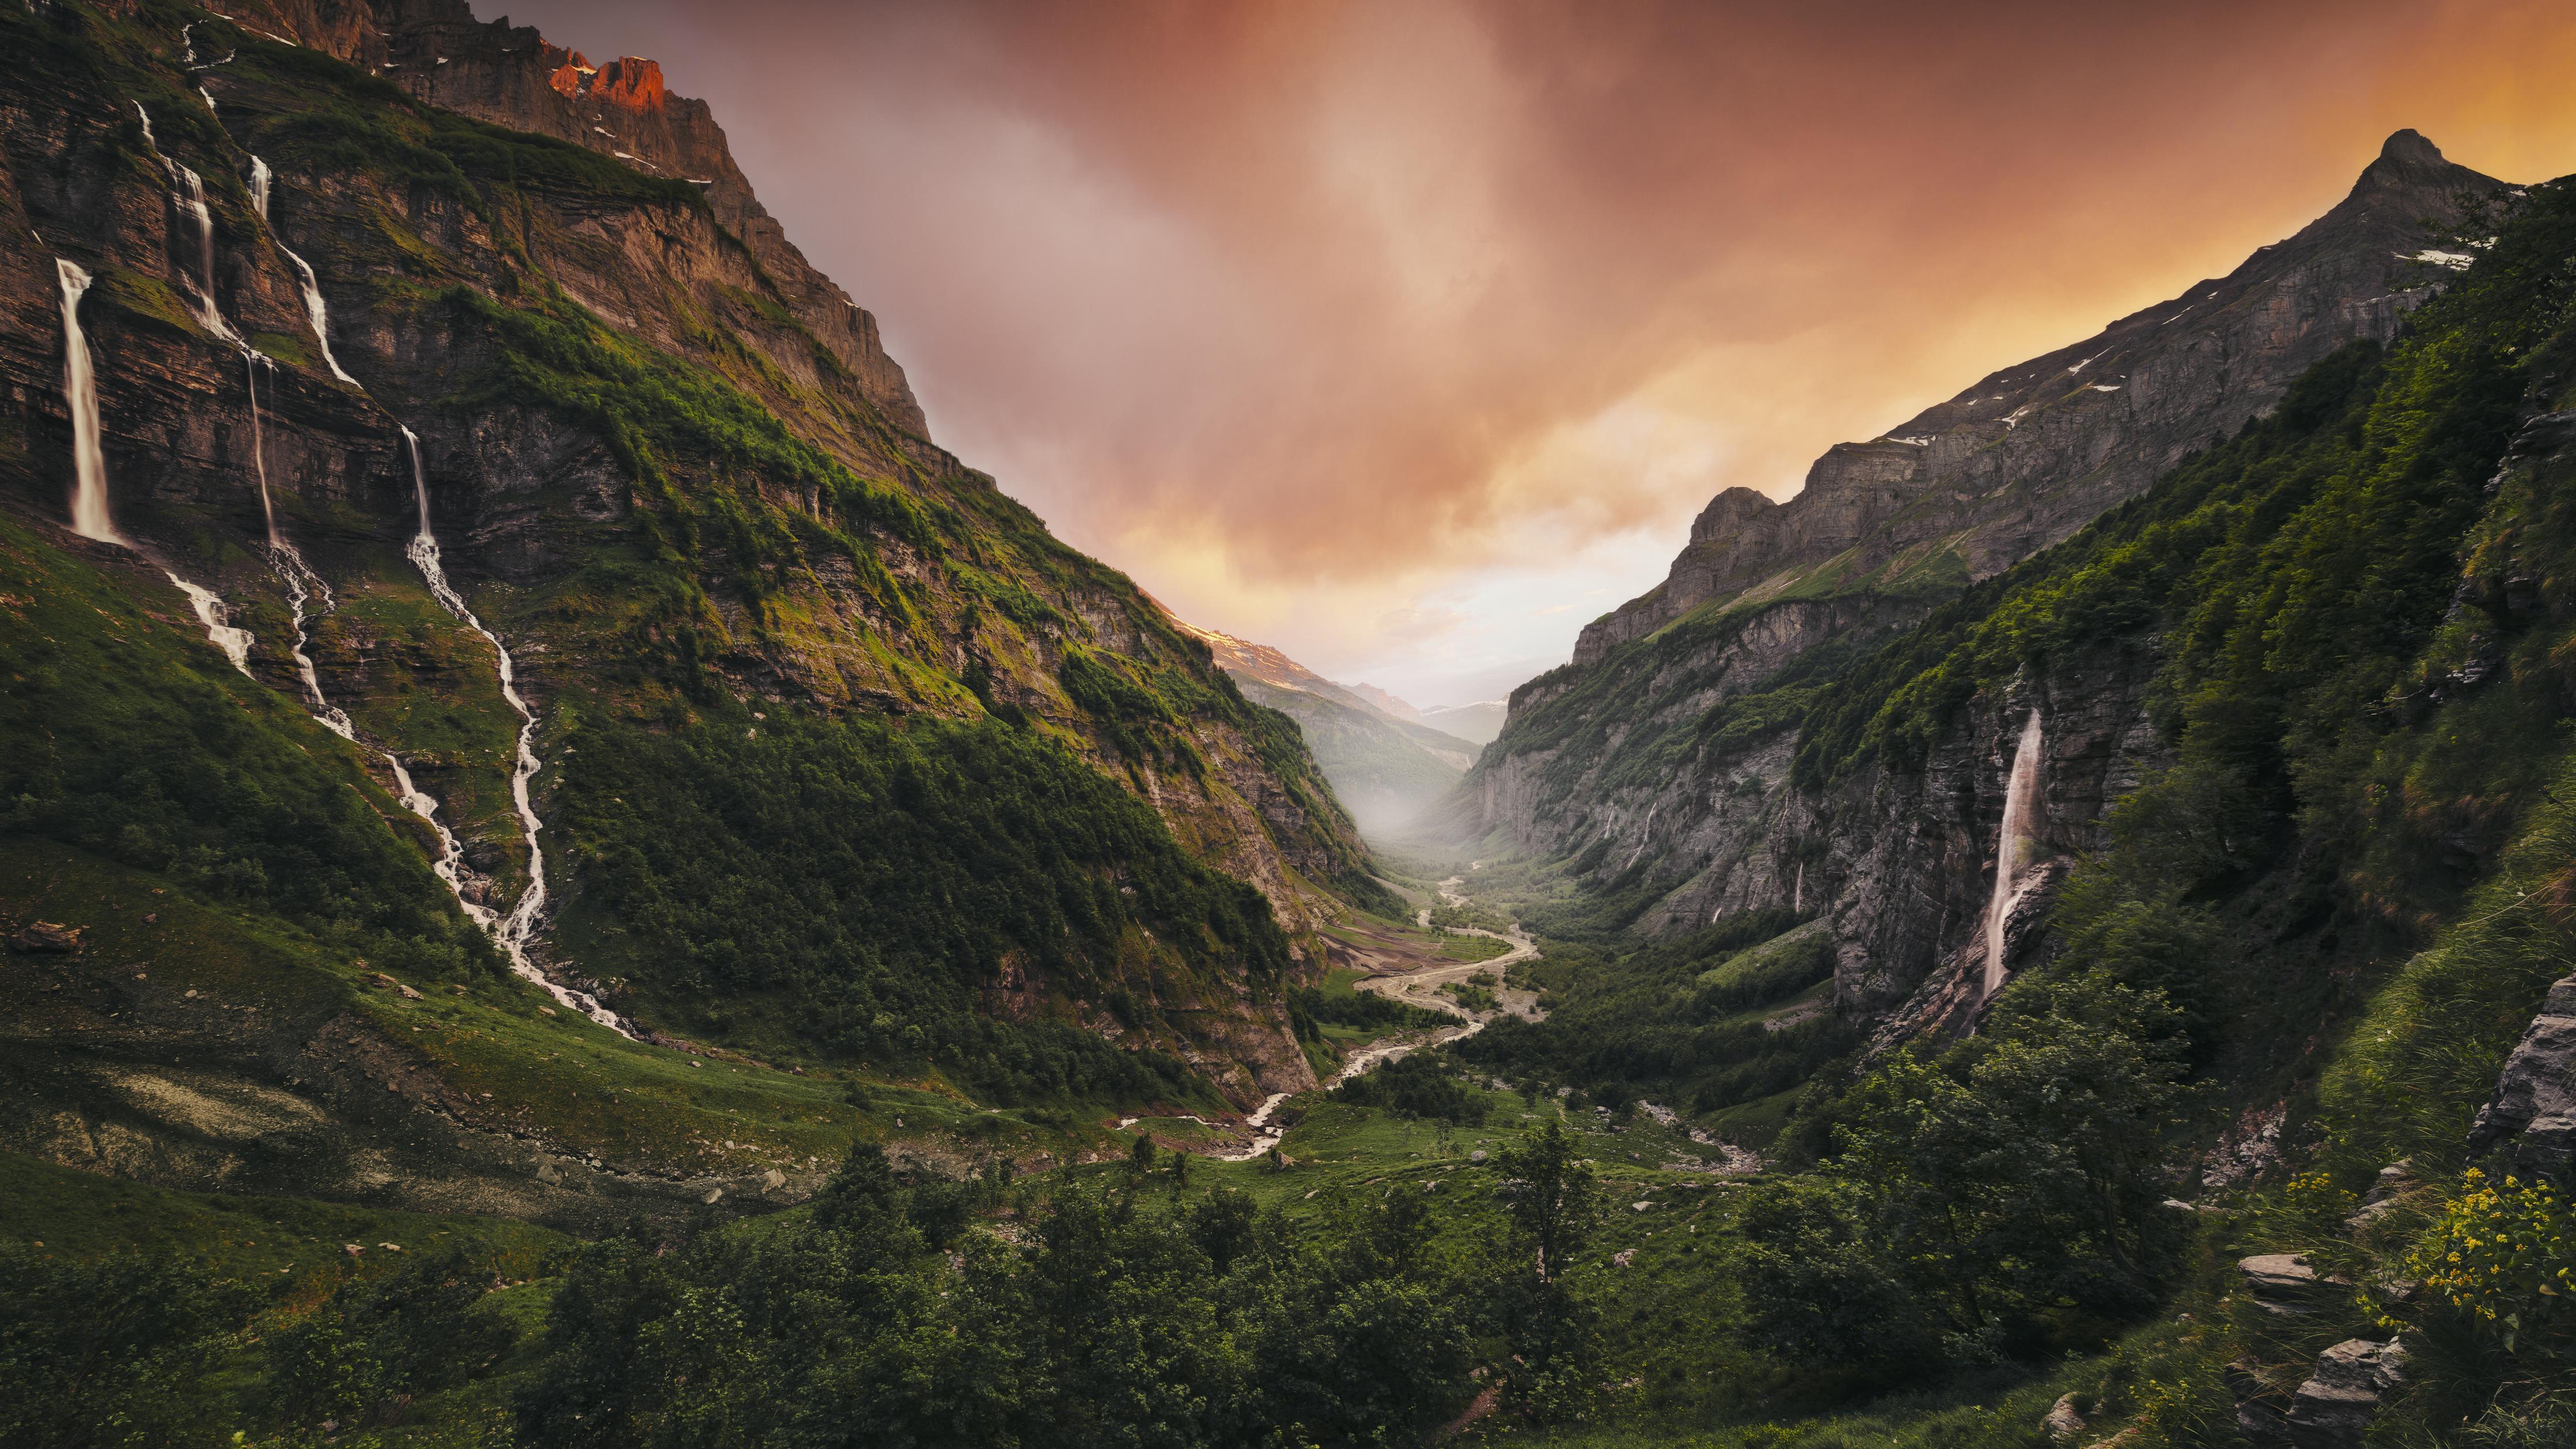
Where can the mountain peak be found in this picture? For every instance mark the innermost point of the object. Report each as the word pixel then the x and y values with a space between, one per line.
pixel 2410 145
pixel 2410 159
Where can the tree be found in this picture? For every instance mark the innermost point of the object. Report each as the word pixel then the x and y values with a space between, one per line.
pixel 1551 1195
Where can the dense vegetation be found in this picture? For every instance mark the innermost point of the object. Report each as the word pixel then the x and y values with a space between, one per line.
pixel 1694 1021
pixel 1118 1311
pixel 875 886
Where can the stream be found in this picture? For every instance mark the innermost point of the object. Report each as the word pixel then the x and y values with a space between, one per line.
pixel 1414 988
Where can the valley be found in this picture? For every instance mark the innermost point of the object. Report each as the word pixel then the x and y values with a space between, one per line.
pixel 569 876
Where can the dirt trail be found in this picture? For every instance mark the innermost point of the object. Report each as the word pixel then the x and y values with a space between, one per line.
pixel 1417 988
pixel 1422 987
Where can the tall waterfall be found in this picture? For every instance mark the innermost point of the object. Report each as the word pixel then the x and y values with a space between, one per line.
pixel 314 309
pixel 80 392
pixel 2012 845
pixel 516 928
pixel 258 452
pixel 188 191
pixel 89 469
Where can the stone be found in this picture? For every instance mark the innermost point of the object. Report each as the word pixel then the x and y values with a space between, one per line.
pixel 46 939
pixel 1478 1155
pixel 382 982
pixel 2064 1422
pixel 2530 1122
pixel 2335 1406
pixel 2285 1283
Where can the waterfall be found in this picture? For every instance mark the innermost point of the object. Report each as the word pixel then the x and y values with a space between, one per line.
pixel 258 455
pixel 315 311
pixel 188 192
pixel 418 802
pixel 302 584
pixel 80 391
pixel 515 929
pixel 89 469
pixel 2012 842
pixel 210 612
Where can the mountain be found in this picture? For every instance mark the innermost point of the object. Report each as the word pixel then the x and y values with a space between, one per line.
pixel 1480 721
pixel 2245 815
pixel 455 541
pixel 1385 767
pixel 1658 762
pixel 2026 455
pixel 1387 703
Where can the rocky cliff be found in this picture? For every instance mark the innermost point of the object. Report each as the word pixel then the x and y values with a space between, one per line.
pixel 1668 765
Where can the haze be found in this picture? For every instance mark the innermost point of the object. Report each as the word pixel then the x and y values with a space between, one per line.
pixel 1408 335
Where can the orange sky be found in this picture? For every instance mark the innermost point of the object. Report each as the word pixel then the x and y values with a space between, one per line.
pixel 1407 335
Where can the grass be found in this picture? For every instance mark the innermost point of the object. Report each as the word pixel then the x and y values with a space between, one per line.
pixel 86 1215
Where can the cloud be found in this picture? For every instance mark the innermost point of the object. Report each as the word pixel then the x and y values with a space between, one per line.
pixel 1324 317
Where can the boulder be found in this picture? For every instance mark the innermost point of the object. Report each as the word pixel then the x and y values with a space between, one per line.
pixel 46 938
pixel 2284 1283
pixel 2335 1406
pixel 2064 1423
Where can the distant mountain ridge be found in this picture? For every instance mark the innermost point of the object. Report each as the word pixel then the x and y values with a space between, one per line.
pixel 1480 721
pixel 1386 765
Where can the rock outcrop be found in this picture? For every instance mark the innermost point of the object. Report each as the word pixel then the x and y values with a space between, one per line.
pixel 513 76
pixel 2333 1409
pixel 2531 1121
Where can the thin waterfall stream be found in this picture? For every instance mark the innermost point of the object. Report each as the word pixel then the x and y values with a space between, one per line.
pixel 188 193
pixel 519 926
pixel 315 311
pixel 2012 845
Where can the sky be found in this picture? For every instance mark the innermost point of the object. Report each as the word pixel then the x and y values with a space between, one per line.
pixel 1408 335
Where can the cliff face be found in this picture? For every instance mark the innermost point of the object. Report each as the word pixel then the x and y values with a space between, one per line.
pixel 2027 455
pixel 668 466
pixel 512 76
pixel 1662 764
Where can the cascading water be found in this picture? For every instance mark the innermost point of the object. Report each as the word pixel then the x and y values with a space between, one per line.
pixel 302 584
pixel 80 391
pixel 209 607
pixel 514 930
pixel 188 191
pixel 314 309
pixel 2021 811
